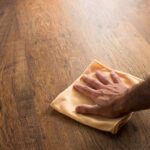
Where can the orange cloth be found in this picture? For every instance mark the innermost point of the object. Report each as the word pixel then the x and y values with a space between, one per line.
pixel 66 101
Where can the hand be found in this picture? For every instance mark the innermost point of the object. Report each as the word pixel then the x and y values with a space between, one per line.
pixel 106 94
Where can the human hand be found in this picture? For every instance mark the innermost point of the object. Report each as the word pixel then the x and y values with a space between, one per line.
pixel 106 94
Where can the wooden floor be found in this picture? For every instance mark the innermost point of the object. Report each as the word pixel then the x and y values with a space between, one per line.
pixel 44 46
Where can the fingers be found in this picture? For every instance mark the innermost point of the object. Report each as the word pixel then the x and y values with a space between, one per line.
pixel 91 82
pixel 102 78
pixel 88 109
pixel 85 90
pixel 115 77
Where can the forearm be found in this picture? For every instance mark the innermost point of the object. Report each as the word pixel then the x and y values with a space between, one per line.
pixel 138 98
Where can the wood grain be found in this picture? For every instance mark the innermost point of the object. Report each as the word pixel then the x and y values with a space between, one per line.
pixel 44 46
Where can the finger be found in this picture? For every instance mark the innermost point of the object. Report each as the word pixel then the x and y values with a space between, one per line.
pixel 91 82
pixel 85 90
pixel 102 78
pixel 88 109
pixel 115 77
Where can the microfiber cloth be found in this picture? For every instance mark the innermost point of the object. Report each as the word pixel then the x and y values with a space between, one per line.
pixel 67 100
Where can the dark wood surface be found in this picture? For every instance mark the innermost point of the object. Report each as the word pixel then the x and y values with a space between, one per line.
pixel 44 46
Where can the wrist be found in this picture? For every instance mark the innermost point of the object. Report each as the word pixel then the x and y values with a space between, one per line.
pixel 122 106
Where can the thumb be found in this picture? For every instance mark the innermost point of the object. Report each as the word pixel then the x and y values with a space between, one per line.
pixel 88 109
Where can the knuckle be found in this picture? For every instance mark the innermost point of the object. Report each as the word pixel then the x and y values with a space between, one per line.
pixel 96 83
pixel 95 94
pixel 102 91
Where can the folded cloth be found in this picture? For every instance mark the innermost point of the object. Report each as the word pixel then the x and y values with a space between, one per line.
pixel 66 101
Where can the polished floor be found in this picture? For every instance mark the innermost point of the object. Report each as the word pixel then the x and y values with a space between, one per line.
pixel 44 46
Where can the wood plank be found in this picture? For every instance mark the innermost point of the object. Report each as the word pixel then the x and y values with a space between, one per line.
pixel 44 46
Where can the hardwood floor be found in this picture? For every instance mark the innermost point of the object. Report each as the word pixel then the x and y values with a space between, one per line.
pixel 44 46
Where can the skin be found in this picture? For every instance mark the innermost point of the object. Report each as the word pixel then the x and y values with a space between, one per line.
pixel 112 98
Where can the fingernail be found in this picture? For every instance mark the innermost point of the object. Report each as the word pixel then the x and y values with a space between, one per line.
pixel 84 76
pixel 77 109
pixel 113 72
pixel 75 86
pixel 80 109
pixel 98 72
